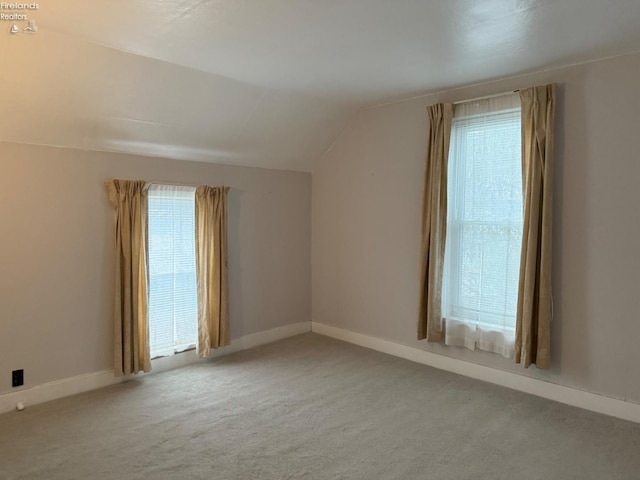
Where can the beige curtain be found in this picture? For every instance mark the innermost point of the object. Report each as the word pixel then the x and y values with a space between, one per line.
pixel 434 222
pixel 131 334
pixel 211 268
pixel 534 294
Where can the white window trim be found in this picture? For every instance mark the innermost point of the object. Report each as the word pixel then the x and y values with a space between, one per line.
pixel 460 331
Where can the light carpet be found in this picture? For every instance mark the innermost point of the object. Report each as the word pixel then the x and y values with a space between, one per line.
pixel 317 408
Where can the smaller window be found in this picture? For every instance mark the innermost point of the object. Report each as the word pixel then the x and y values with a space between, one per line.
pixel 484 225
pixel 173 304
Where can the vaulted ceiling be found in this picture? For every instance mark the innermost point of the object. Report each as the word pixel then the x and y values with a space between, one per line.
pixel 270 83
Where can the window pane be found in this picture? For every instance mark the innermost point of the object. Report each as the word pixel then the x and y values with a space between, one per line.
pixel 488 273
pixel 173 303
pixel 484 230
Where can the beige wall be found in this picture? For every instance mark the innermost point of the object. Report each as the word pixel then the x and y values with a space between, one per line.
pixel 56 253
pixel 366 204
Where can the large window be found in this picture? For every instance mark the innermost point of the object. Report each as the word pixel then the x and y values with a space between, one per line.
pixel 484 225
pixel 173 306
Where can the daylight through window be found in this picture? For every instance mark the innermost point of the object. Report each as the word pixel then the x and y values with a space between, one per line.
pixel 173 305
pixel 484 225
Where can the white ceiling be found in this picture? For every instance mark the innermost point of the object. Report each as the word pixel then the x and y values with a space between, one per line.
pixel 270 83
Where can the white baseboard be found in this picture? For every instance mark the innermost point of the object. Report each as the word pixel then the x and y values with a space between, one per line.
pixel 248 341
pixel 91 381
pixel 58 389
pixel 268 336
pixel 552 391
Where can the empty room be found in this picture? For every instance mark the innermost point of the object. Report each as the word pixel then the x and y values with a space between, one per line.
pixel 341 239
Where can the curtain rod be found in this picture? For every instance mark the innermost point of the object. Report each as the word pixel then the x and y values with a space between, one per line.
pixel 180 184
pixel 172 184
pixel 486 97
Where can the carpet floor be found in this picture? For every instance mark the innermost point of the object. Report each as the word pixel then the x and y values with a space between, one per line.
pixel 317 408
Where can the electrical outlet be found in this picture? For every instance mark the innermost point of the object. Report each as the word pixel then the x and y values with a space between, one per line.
pixel 17 378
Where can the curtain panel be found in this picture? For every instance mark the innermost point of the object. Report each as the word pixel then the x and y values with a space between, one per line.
pixel 130 318
pixel 211 268
pixel 434 222
pixel 533 322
